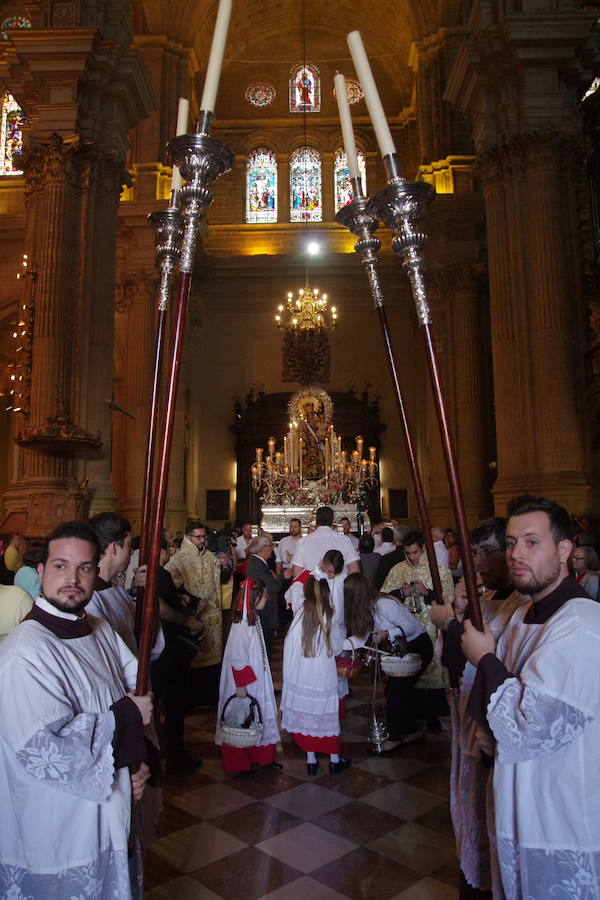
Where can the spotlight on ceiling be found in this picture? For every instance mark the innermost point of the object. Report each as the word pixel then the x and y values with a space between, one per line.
pixel 313 249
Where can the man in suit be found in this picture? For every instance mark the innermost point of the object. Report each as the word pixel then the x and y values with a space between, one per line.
pixel 260 550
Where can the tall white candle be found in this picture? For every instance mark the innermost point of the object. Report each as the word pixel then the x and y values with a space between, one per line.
pixel 183 111
pixel 215 60
pixel 365 76
pixel 346 123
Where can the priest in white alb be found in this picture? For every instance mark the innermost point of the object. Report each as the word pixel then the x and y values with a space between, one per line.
pixel 70 728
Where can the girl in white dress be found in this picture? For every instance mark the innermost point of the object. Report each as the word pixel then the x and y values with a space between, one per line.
pixel 309 702
pixel 246 670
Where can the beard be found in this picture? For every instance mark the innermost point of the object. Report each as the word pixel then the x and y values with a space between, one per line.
pixel 533 585
pixel 73 608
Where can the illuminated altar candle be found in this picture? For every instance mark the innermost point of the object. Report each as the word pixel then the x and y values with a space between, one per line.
pixel 300 458
pixel 359 445
pixel 367 83
pixel 215 60
pixel 285 450
pixel 183 111
pixel 346 123
pixel 372 454
pixel 259 454
pixel 271 443
pixel 343 456
pixel 355 455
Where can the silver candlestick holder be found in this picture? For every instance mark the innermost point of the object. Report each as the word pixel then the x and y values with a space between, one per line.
pixel 201 159
pixel 362 223
pixel 399 206
pixel 168 224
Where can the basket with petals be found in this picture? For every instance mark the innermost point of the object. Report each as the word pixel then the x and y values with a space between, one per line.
pixel 401 666
pixel 348 666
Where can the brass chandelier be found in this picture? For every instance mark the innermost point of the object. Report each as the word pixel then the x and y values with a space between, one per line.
pixel 307 312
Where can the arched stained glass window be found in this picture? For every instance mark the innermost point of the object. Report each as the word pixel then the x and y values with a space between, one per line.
pixel 13 22
pixel 261 186
pixel 306 203
pixel 11 134
pixel 305 89
pixel 341 178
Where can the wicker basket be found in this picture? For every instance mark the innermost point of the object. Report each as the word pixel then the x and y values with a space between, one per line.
pixel 401 666
pixel 348 666
pixel 247 735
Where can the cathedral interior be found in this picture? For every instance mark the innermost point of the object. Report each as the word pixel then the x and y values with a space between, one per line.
pixel 493 103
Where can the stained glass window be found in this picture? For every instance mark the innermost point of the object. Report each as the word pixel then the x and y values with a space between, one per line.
pixel 260 94
pixel 305 186
pixel 341 178
pixel 305 89
pixel 354 91
pixel 261 186
pixel 11 134
pixel 13 22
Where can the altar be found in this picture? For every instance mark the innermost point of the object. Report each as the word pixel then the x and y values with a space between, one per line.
pixel 313 469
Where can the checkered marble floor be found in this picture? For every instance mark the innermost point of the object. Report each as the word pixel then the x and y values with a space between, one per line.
pixel 378 831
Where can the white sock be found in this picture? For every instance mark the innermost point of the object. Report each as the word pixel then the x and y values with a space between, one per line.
pixel 310 757
pixel 334 757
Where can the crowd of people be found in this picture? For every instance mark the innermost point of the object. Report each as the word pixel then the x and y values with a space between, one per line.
pixel 80 778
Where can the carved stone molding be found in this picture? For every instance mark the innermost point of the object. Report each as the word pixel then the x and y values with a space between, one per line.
pixel 65 162
pixel 518 155
pixel 52 507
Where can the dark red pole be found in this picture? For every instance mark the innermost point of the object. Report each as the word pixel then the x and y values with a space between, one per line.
pixel 150 453
pixel 453 476
pixel 411 454
pixel 161 483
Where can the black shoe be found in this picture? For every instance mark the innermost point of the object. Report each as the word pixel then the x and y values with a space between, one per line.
pixel 311 768
pixel 273 765
pixel 336 768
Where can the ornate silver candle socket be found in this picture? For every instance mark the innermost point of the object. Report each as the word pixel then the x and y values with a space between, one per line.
pixel 201 159
pixel 399 205
pixel 168 236
pixel 359 221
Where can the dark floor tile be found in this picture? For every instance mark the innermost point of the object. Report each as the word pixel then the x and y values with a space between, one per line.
pixel 365 875
pixel 184 782
pixel 248 874
pixel 438 819
pixel 354 782
pixel 435 779
pixel 157 870
pixel 449 874
pixel 256 822
pixel 172 819
pixel 265 784
pixel 431 751
pixel 358 822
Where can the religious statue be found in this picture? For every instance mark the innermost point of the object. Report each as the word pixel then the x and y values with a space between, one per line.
pixel 313 430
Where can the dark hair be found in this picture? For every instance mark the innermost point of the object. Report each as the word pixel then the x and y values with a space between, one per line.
pixel 414 537
pixel 81 531
pixel 560 522
pixel 335 559
pixel 359 601
pixel 295 519
pixel 366 543
pixel 590 557
pixel 344 519
pixel 487 528
pixel 324 516
pixel 194 525
pixel 257 589
pixel 109 527
pixel 387 534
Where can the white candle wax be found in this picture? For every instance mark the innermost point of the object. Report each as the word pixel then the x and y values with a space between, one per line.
pixel 183 111
pixel 346 123
pixel 215 60
pixel 367 82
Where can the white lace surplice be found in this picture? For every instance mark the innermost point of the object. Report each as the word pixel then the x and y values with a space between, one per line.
pixel 546 723
pixel 65 810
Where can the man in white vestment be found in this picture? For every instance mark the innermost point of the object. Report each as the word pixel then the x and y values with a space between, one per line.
pixel 70 728
pixel 539 694
pixel 347 531
pixel 472 759
pixel 286 548
pixel 313 547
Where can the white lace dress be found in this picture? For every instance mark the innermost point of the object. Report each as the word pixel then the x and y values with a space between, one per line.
pixel 309 700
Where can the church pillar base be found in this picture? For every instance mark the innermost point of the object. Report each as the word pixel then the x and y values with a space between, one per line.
pixel 46 503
